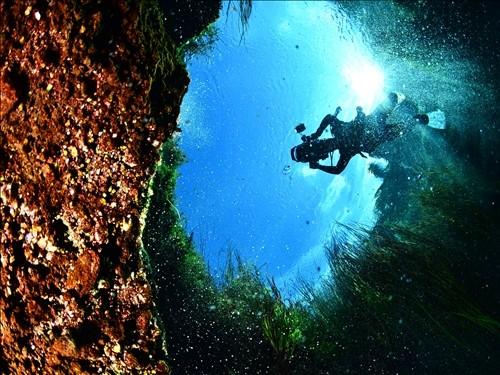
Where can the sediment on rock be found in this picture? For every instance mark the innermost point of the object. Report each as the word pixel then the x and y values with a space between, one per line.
pixel 78 142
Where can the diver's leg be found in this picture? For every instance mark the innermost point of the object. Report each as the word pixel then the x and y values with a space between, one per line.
pixel 331 120
pixel 327 120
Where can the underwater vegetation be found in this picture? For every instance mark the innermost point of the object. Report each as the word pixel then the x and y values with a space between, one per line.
pixel 209 329
pixel 419 298
pixel 410 299
pixel 185 19
pixel 199 44
pixel 203 41
pixel 82 121
pixel 418 294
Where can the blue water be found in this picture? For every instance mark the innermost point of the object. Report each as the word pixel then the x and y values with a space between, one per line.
pixel 297 62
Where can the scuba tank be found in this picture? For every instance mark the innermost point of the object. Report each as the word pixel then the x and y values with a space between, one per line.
pixel 312 150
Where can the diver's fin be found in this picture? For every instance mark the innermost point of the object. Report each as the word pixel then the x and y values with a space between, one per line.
pixel 437 119
pixel 401 97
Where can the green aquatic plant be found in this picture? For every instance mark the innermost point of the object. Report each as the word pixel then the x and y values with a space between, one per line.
pixel 199 45
pixel 157 43
pixel 245 10
pixel 281 328
pixel 207 326
pixel 243 297
pixel 281 325
pixel 397 295
pixel 180 279
pixel 204 42
pixel 465 211
pixel 420 295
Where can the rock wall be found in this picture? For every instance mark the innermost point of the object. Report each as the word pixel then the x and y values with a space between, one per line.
pixel 78 144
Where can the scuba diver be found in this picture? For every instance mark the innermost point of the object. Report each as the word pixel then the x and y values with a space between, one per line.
pixel 361 135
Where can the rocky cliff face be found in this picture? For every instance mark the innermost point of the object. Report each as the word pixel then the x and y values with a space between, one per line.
pixel 85 104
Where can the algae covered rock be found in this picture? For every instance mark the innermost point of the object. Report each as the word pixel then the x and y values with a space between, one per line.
pixel 78 142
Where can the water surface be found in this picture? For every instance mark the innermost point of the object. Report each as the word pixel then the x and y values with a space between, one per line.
pixel 239 189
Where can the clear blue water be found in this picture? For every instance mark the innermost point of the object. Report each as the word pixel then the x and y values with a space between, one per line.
pixel 297 62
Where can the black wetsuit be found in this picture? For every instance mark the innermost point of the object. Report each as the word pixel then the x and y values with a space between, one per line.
pixel 364 133
pixel 346 138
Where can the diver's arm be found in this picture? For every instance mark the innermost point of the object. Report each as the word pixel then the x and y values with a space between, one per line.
pixel 333 169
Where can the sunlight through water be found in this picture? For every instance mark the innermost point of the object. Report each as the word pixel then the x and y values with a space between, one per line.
pixel 239 188
pixel 366 81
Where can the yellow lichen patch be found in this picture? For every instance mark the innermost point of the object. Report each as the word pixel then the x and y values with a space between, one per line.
pixel 125 226
pixel 42 243
pixel 73 151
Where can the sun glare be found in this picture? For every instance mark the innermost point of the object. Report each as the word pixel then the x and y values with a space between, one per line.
pixel 366 81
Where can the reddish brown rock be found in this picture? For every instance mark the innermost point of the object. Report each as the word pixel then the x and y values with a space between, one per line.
pixel 8 95
pixel 78 143
pixel 83 275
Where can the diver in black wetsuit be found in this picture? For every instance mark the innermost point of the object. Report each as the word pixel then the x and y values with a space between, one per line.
pixel 364 133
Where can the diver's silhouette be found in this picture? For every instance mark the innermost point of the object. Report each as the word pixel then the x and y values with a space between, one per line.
pixel 361 135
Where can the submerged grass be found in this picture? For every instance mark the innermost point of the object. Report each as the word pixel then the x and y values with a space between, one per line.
pixel 417 297
pixel 398 292
pixel 420 297
pixel 210 329
pixel 282 327
pixel 245 10
pixel 158 45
